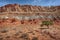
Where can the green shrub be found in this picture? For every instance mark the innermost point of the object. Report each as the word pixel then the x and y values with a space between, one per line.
pixel 47 23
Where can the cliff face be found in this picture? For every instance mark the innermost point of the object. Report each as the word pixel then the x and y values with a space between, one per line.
pixel 28 8
pixel 29 12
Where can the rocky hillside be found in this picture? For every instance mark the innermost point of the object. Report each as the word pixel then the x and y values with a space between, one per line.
pixel 27 22
pixel 28 8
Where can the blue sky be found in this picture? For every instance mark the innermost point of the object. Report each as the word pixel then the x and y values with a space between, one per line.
pixel 31 2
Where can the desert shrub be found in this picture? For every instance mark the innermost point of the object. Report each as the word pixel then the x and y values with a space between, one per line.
pixel 25 36
pixel 1 38
pixel 34 38
pixel 47 23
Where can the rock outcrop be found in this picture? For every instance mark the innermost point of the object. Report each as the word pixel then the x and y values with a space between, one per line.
pixel 28 8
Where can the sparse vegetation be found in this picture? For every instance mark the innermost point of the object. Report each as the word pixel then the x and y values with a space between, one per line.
pixel 4 31
pixel 47 23
pixel 34 38
pixel 8 37
pixel 1 38
pixel 25 36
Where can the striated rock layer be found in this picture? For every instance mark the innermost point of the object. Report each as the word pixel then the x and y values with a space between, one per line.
pixel 26 22
pixel 28 8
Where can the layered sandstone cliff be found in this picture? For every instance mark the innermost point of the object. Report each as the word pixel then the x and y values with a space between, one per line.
pixel 28 8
